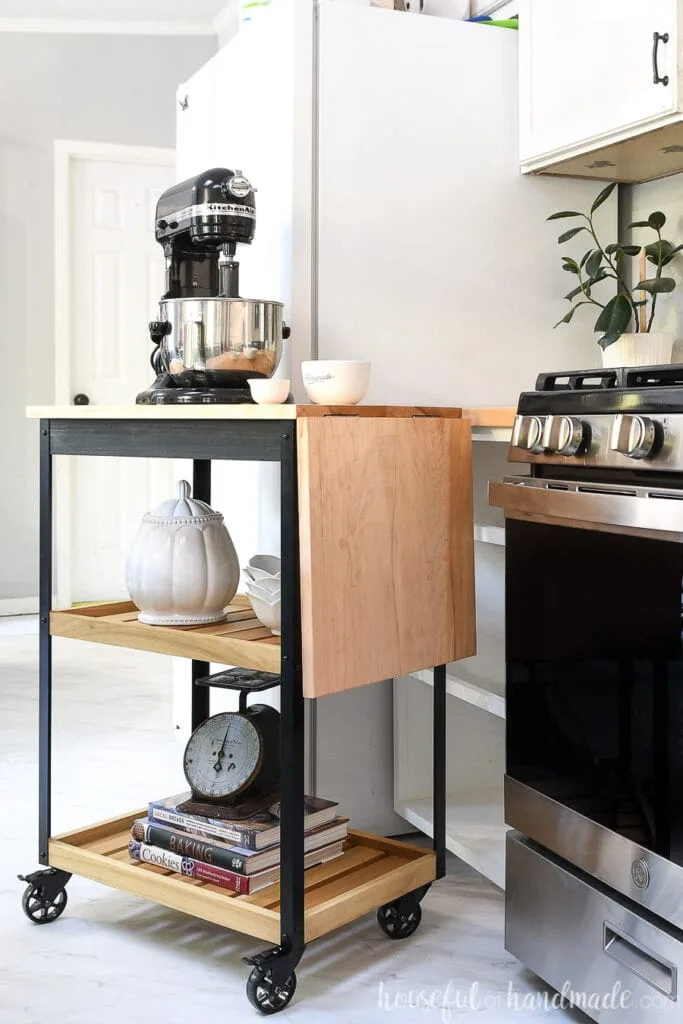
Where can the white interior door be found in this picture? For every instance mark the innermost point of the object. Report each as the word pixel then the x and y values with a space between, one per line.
pixel 116 279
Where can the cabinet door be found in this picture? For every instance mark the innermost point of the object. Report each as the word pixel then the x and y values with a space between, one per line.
pixel 586 70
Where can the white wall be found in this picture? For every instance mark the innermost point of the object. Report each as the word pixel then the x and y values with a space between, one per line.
pixel 102 88
pixel 639 201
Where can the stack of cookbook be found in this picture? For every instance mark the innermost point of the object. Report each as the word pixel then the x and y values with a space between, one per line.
pixel 244 855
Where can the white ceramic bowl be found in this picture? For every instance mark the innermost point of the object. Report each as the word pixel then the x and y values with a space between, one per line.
pixel 336 381
pixel 268 590
pixel 260 566
pixel 267 614
pixel 268 391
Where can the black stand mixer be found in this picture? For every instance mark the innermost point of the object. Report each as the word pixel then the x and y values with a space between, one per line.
pixel 208 340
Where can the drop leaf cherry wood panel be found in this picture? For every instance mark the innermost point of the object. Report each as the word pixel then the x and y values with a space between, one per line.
pixel 387 564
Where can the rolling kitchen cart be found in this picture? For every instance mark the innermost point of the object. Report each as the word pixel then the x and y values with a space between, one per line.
pixel 377 581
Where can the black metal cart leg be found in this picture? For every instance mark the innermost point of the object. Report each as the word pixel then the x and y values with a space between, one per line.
pixel 272 981
pixel 201 695
pixel 401 918
pixel 439 790
pixel 45 896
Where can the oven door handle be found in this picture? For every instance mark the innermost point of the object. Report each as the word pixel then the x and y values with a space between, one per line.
pixel 660 518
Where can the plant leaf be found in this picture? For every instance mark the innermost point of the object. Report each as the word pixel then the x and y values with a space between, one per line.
pixel 603 196
pixel 593 263
pixel 670 253
pixel 612 248
pixel 614 318
pixel 570 264
pixel 657 220
pixel 566 235
pixel 640 224
pixel 653 250
pixel 564 213
pixel 567 318
pixel 584 258
pixel 573 293
pixel 655 285
pixel 600 276
pixel 630 250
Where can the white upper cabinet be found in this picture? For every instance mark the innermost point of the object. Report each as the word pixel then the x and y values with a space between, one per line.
pixel 597 78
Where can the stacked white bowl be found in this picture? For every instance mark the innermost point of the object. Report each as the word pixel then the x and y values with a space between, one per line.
pixel 263 587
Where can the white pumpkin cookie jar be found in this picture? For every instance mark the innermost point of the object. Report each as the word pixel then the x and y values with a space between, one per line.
pixel 182 569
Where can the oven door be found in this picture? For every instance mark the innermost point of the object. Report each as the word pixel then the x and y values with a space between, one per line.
pixel 595 680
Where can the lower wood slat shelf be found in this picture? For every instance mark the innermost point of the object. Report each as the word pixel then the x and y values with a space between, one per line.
pixel 241 640
pixel 371 871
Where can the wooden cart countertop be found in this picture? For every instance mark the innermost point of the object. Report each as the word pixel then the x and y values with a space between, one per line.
pixel 500 416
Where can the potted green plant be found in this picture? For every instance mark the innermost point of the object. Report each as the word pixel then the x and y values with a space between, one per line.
pixel 625 321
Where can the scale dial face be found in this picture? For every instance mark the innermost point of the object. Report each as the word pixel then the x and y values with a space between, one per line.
pixel 223 756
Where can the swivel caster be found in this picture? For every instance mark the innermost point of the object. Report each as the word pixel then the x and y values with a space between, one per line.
pixel 265 995
pixel 40 908
pixel 398 922
pixel 45 897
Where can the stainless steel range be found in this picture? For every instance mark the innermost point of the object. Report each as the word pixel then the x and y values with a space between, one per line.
pixel 594 784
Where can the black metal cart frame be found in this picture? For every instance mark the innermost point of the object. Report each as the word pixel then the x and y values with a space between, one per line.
pixel 203 441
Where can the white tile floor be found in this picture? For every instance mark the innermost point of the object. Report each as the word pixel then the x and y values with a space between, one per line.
pixel 114 959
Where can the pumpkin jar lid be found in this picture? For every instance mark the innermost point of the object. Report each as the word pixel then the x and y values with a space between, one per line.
pixel 183 509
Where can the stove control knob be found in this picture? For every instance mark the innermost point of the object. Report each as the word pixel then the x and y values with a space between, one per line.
pixel 527 433
pixel 563 435
pixel 633 436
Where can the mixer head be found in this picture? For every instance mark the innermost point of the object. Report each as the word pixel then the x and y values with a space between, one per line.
pixel 212 211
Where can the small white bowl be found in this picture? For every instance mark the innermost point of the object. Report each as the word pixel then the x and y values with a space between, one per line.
pixel 259 566
pixel 336 381
pixel 267 614
pixel 269 590
pixel 268 391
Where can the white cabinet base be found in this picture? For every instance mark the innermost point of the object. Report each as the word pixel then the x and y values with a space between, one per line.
pixel 474 828
pixel 475 741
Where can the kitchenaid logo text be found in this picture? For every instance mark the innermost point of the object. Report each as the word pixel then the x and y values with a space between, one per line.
pixel 452 1000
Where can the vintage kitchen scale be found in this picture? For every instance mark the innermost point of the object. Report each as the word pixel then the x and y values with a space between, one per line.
pixel 208 339
pixel 232 760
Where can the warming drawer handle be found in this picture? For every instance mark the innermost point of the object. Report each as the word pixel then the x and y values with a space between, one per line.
pixel 583 509
pixel 653 969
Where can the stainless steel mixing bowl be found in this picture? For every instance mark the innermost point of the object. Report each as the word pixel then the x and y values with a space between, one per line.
pixel 221 342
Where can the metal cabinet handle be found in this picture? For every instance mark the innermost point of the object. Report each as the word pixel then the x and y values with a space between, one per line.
pixel 658 38
pixel 658 972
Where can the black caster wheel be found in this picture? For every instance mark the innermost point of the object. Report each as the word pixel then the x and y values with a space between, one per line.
pixel 39 908
pixel 399 924
pixel 265 995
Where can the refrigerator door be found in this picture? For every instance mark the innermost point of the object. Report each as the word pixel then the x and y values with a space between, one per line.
pixel 434 258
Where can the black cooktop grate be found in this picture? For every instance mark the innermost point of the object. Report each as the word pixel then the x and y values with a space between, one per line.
pixel 618 378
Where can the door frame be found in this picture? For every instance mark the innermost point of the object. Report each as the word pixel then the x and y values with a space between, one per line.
pixel 66 151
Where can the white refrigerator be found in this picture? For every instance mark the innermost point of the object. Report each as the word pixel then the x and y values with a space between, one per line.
pixel 393 223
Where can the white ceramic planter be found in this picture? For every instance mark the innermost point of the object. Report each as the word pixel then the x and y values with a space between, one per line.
pixel 182 569
pixel 649 349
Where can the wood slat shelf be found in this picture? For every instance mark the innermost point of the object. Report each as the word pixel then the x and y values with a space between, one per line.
pixel 371 872
pixel 241 641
